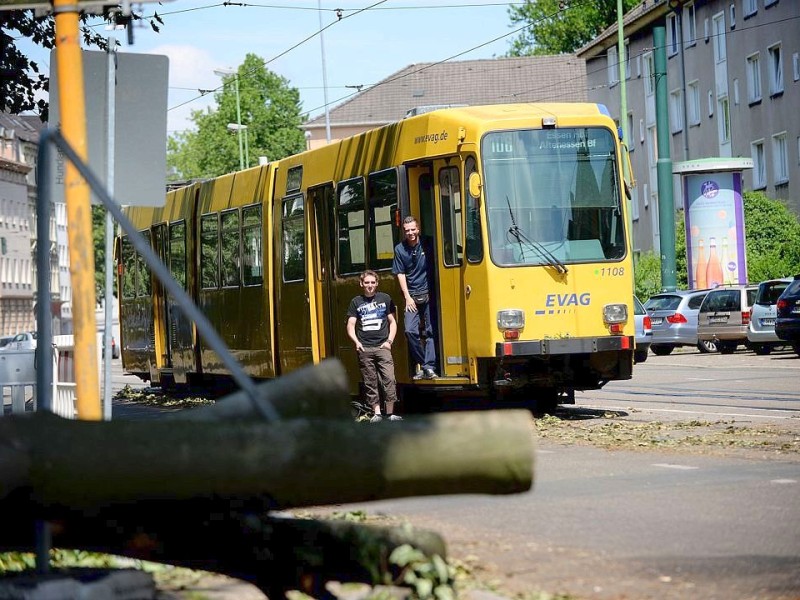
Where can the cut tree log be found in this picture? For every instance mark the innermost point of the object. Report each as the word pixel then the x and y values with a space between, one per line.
pixel 84 465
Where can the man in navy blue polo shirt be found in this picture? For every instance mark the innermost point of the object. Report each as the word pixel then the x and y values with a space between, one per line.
pixel 413 266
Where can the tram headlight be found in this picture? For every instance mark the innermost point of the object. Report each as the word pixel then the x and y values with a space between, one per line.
pixel 511 318
pixel 615 313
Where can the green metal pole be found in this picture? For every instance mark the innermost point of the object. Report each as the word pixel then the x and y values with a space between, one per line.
pixel 623 108
pixel 666 201
pixel 239 121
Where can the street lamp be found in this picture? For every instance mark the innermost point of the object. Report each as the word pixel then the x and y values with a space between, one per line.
pixel 239 128
pixel 228 72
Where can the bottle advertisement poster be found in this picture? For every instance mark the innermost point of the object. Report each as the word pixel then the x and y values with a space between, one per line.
pixel 714 219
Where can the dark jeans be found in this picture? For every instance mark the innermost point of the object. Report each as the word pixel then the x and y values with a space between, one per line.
pixel 423 356
pixel 377 368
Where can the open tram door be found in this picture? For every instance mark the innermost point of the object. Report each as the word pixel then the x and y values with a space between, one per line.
pixel 435 193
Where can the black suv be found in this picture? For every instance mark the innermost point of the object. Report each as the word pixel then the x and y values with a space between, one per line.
pixel 787 324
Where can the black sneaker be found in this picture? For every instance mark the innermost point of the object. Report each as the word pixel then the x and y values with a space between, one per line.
pixel 429 374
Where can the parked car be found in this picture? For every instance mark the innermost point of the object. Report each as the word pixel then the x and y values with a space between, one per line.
pixel 787 322
pixel 674 319
pixel 644 331
pixel 22 341
pixel 724 316
pixel 114 347
pixel 761 331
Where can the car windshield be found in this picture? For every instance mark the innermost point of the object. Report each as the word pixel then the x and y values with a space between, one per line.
pixel 669 302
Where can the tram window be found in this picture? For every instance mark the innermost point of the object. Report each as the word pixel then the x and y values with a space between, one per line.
pixel 128 269
pixel 382 206
pixel 474 238
pixel 177 252
pixel 294 239
pixel 144 284
pixel 252 266
pixel 450 203
pixel 229 248
pixel 209 251
pixel 350 218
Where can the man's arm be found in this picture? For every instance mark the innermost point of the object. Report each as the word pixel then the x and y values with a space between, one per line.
pixel 410 304
pixel 351 333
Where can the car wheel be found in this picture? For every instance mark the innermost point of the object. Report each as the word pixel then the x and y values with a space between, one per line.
pixel 639 356
pixel 706 346
pixel 796 348
pixel 661 350
pixel 727 347
pixel 761 349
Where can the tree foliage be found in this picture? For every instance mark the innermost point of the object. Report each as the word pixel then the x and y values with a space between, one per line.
pixel 270 110
pixel 561 26
pixel 21 79
pixel 772 246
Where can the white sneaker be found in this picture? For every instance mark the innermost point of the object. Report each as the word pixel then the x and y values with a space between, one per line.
pixel 376 419
pixel 395 418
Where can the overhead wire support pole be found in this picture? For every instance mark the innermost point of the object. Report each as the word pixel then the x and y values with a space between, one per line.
pixel 204 326
pixel 324 76
pixel 79 216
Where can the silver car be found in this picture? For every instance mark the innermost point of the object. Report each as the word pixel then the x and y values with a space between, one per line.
pixel 644 331
pixel 724 316
pixel 673 316
pixel 761 331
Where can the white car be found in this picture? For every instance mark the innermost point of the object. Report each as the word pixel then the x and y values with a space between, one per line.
pixel 22 341
pixel 761 331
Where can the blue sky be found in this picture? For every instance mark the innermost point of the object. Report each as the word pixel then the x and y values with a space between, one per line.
pixel 360 49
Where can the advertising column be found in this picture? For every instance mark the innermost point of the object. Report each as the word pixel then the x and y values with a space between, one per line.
pixel 714 221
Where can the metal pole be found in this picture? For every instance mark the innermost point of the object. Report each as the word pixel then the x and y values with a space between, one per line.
pixel 79 218
pixel 239 120
pixel 44 347
pixel 623 109
pixel 324 77
pixel 666 201
pixel 246 146
pixel 111 100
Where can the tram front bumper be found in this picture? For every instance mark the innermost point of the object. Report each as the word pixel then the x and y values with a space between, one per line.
pixel 587 345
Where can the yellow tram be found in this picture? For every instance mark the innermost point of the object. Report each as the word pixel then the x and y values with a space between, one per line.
pixel 526 205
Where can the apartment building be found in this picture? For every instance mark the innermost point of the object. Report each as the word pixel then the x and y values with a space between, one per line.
pixel 733 79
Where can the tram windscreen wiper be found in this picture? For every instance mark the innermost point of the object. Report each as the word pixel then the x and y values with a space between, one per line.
pixel 549 258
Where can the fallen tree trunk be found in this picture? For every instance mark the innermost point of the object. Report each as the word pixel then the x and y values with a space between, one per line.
pixel 274 553
pixel 313 391
pixel 298 462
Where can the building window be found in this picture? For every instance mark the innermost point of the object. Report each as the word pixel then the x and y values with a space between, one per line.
pixel 769 3
pixel 672 34
pixel 676 111
pixel 750 7
pixel 796 66
pixel 641 131
pixel 780 158
pixel 753 79
pixel 649 69
pixel 613 66
pixel 631 147
pixel 693 102
pixel 710 103
pixel 689 26
pixel 635 204
pixel 733 16
pixel 720 49
pixel 775 70
pixel 736 92
pixel 627 59
pixel 759 165
pixel 724 120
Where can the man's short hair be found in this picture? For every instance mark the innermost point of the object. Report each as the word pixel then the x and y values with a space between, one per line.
pixel 366 274
pixel 410 219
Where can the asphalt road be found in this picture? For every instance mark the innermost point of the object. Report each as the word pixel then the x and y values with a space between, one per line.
pixel 614 524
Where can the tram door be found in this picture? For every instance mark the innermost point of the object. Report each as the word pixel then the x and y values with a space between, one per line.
pixel 161 341
pixel 321 252
pixel 449 204
pixel 294 299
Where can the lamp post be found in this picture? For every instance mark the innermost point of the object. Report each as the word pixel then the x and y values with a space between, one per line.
pixel 237 127
pixel 222 73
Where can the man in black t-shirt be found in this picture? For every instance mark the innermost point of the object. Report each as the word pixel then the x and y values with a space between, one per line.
pixel 372 327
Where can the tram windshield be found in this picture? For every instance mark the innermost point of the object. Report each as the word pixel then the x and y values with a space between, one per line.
pixel 552 196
